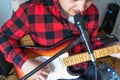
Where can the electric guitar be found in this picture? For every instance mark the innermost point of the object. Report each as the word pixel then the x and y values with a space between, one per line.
pixel 60 64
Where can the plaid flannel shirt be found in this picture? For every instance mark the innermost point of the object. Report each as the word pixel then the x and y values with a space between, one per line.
pixel 46 24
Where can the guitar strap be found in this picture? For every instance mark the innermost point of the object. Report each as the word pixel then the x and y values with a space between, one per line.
pixel 37 46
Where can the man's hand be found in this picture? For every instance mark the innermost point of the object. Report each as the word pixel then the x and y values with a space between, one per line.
pixel 31 64
pixel 117 55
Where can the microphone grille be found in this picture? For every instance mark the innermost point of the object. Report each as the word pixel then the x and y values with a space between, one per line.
pixel 79 18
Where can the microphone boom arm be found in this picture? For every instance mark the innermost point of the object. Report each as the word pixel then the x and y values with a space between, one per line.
pixel 79 21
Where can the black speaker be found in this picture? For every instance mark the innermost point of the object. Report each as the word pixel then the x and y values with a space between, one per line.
pixel 106 72
pixel 110 17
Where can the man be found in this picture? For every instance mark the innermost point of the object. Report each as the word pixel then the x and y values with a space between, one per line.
pixel 47 22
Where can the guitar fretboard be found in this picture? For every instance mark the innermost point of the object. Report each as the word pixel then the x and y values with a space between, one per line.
pixel 99 53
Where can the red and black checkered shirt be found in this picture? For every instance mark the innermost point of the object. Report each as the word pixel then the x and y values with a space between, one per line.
pixel 47 26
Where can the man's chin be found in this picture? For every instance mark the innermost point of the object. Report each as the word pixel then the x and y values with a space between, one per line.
pixel 72 14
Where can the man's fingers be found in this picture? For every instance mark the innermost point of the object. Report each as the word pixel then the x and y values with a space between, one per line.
pixel 117 55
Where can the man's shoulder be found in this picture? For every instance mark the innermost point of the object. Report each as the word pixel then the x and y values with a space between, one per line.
pixel 33 2
pixel 38 2
pixel 93 9
pixel 30 4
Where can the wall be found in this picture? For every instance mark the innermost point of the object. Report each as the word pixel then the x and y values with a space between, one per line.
pixel 7 7
pixel 5 11
pixel 102 6
pixel 16 3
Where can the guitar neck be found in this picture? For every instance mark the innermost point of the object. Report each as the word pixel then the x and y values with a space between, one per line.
pixel 82 57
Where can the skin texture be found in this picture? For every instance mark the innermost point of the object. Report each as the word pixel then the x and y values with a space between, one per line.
pixel 71 8
pixel 74 6
pixel 39 75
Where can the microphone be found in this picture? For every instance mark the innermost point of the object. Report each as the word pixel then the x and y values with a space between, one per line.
pixel 80 23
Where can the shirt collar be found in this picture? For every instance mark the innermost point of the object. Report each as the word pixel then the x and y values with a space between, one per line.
pixel 57 6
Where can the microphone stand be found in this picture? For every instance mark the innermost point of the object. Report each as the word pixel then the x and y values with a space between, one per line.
pixel 78 40
pixel 79 21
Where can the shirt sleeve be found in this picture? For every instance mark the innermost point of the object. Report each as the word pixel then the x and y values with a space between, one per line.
pixel 13 30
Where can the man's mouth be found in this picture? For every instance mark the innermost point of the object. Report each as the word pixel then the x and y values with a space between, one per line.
pixel 76 11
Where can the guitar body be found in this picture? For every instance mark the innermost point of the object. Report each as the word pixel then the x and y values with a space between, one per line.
pixel 59 71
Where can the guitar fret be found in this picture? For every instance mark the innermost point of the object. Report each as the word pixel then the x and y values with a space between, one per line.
pixel 96 54
pixel 101 53
pixel 65 61
pixel 74 59
pixel 84 57
pixel 78 58
pixel 105 52
pixel 116 49
pixel 87 56
pixel 110 51
pixel 71 60
pixel 113 49
pixel 118 45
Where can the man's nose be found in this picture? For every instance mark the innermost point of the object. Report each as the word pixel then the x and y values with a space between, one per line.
pixel 82 6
